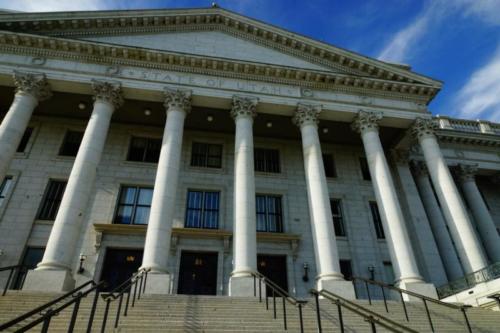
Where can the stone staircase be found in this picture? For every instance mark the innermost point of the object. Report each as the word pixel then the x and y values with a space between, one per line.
pixel 180 313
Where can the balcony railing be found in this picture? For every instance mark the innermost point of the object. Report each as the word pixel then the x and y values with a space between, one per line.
pixel 470 126
pixel 470 280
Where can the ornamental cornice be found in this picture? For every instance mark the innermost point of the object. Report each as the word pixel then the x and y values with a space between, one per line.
pixel 109 92
pixel 34 84
pixel 306 114
pixel 419 168
pixel 176 98
pixel 244 106
pixel 423 127
pixel 43 46
pixel 366 120
pixel 459 137
pixel 466 172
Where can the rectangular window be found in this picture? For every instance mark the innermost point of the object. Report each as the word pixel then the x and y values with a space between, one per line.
pixel 206 155
pixel 144 150
pixel 329 164
pixel 24 140
pixel 52 200
pixel 134 204
pixel 346 268
pixel 267 160
pixel 365 171
pixel 202 210
pixel 338 220
pixel 377 221
pixel 389 273
pixel 71 143
pixel 269 213
pixel 4 189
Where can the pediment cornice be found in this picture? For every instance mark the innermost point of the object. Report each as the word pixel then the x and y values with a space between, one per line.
pixel 54 35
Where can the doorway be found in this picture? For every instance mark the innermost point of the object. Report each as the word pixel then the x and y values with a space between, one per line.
pixel 119 265
pixel 274 268
pixel 198 273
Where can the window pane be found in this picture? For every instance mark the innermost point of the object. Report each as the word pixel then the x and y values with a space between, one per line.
pixel 266 160
pixel 261 222
pixel 141 215
pixel 329 165
pixel 145 196
pixel 260 202
pixel 363 163
pixel 211 220
pixel 52 200
pixel 153 151
pixel 127 195
pixel 212 200
pixel 25 139
pixel 137 149
pixel 124 215
pixel 194 199
pixel 5 186
pixel 71 143
pixel 377 220
pixel 193 218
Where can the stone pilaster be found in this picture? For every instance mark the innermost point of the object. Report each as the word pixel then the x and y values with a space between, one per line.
pixel 454 211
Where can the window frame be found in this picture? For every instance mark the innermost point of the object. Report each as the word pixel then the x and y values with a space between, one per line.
pixel 280 228
pixel 203 209
pixel 145 152
pixel 206 155
pixel 134 205
pixel 64 141
pixel 266 164
pixel 45 198
pixel 4 196
pixel 333 166
pixel 364 168
pixel 377 220
pixel 342 232
pixel 25 141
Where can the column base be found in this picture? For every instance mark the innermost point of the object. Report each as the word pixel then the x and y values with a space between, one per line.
pixel 49 280
pixel 341 288
pixel 422 288
pixel 242 286
pixel 158 284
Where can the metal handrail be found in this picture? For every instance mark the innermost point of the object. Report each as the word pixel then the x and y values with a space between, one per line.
pixel 370 316
pixel 275 289
pixel 47 312
pixel 425 299
pixel 138 279
pixel 12 269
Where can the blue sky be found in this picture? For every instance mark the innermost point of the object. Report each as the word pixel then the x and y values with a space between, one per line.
pixel 456 41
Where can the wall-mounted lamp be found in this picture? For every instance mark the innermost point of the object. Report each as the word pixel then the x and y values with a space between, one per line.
pixel 210 118
pixel 82 259
pixel 305 277
pixel 325 130
pixel 269 124
pixel 82 105
pixel 371 269
pixel 147 111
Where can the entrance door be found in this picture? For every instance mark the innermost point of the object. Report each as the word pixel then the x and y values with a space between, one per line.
pixel 274 268
pixel 119 265
pixel 32 257
pixel 198 273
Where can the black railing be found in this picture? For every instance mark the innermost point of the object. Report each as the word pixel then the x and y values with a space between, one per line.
pixel 374 319
pixel 468 281
pixel 425 301
pixel 48 310
pixel 136 281
pixel 277 291
pixel 12 271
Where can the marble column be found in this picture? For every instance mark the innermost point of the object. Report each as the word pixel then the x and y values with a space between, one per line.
pixel 324 243
pixel 54 271
pixel 467 244
pixel 398 241
pixel 438 224
pixel 161 216
pixel 244 227
pixel 30 89
pixel 485 224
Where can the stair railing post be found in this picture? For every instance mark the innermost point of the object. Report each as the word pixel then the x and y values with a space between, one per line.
pixel 260 290
pixel 372 325
pixel 46 323
pixel 267 299
pixel 135 290
pixel 368 293
pixel 404 305
pixel 140 288
pixel 301 320
pixel 428 314
pixel 318 314
pixel 118 310
pixel 284 311
pixel 105 318
pixel 125 313
pixel 385 300
pixel 254 287
pixel 464 311
pixel 341 319
pixel 92 310
pixel 145 280
pixel 76 307
pixel 274 304
pixel 8 282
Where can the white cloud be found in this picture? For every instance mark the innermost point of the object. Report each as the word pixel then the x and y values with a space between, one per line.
pixel 480 96
pixel 57 5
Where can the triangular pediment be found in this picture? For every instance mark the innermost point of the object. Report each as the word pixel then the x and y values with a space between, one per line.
pixel 208 43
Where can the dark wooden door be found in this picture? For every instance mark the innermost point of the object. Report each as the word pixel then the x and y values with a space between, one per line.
pixel 119 265
pixel 274 268
pixel 198 273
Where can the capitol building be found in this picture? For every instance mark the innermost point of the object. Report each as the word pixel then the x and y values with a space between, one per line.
pixel 204 146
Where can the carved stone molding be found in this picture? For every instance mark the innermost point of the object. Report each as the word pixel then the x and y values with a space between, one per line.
pixel 366 120
pixel 466 172
pixel 400 156
pixel 108 92
pixel 176 98
pixel 34 84
pixel 423 127
pixel 244 106
pixel 419 168
pixel 306 114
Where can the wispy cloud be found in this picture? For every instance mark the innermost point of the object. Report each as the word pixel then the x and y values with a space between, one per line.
pixel 59 5
pixel 480 96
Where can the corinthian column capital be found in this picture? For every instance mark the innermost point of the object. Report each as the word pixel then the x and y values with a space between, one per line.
pixel 34 84
pixel 423 127
pixel 306 114
pixel 366 120
pixel 109 92
pixel 176 98
pixel 466 172
pixel 244 107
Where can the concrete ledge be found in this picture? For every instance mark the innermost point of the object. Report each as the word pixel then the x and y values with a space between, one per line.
pixel 49 280
pixel 158 284
pixel 341 288
pixel 425 289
